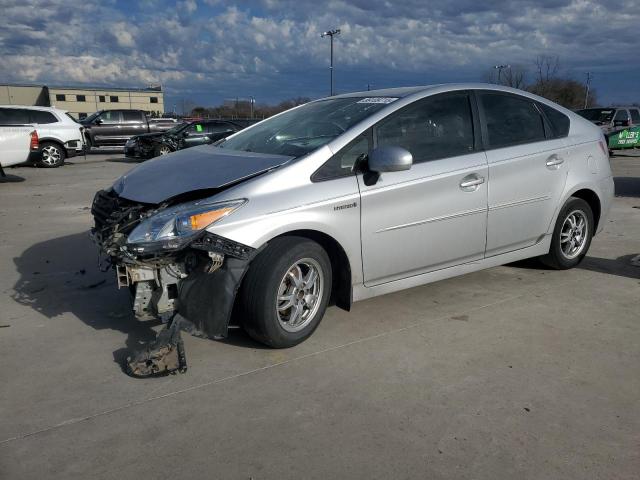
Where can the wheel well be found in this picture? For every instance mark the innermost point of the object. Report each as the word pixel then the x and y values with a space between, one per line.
pixel 52 140
pixel 592 199
pixel 341 291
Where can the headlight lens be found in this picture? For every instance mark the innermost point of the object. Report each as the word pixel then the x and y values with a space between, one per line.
pixel 181 222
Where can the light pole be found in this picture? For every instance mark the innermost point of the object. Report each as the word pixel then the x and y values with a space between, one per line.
pixel 331 34
pixel 500 68
pixel 253 101
pixel 586 95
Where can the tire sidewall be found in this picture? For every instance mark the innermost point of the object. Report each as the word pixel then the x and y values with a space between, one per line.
pixel 273 333
pixel 571 205
pixel 63 155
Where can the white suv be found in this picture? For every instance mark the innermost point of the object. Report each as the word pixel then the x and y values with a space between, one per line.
pixel 60 135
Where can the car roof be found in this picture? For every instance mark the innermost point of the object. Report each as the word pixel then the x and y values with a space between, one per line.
pixel 32 107
pixel 402 92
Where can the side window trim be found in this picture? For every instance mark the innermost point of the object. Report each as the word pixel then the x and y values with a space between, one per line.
pixel 483 118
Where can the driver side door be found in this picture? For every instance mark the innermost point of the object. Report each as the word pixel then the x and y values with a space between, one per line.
pixel 433 215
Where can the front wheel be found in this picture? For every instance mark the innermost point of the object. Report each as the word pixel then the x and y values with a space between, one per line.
pixel 286 291
pixel 53 155
pixel 162 150
pixel 571 235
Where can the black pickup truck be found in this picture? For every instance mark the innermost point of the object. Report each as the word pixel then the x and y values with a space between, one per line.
pixel 112 128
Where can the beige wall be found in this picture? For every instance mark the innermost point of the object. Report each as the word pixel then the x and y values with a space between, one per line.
pixel 22 95
pixel 137 100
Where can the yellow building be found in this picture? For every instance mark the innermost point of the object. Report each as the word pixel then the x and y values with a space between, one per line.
pixel 83 101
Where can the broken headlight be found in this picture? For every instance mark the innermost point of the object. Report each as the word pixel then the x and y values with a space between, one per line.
pixel 173 226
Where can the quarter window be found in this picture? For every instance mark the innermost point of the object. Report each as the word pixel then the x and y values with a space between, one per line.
pixel 511 120
pixel 433 128
pixel 343 162
pixel 559 121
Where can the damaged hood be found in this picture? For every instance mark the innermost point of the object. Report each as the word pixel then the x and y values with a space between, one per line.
pixel 198 168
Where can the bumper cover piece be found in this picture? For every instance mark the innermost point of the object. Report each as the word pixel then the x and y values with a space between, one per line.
pixel 164 356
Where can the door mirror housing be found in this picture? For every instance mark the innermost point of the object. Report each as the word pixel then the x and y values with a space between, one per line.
pixel 390 159
pixel 97 121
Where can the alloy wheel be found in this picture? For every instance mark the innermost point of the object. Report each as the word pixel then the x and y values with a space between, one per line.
pixel 299 294
pixel 574 233
pixel 51 155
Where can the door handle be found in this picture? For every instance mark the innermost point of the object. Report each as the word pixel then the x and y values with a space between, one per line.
pixel 554 161
pixel 471 182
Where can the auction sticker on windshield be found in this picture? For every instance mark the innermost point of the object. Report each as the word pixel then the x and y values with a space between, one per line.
pixel 378 100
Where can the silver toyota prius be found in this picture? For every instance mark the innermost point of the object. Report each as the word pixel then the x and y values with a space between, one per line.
pixel 349 197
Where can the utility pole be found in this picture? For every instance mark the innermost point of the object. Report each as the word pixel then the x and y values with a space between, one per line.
pixel 586 95
pixel 331 34
pixel 500 68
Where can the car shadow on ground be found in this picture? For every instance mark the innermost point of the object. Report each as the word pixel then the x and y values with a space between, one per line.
pixel 10 178
pixel 627 186
pixel 621 266
pixel 62 275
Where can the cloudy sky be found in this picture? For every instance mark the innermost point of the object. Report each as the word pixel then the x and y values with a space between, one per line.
pixel 208 50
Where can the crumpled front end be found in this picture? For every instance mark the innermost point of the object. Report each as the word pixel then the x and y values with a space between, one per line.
pixel 197 279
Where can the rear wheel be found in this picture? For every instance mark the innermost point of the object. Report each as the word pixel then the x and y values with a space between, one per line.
pixel 571 235
pixel 286 292
pixel 53 155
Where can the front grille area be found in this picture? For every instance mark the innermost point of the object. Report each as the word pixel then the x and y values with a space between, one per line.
pixel 113 214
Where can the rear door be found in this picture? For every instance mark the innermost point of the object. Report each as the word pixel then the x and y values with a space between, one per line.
pixel 133 123
pixel 527 171
pixel 434 215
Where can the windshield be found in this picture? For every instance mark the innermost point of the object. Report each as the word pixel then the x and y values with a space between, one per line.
pixel 603 115
pixel 91 117
pixel 304 129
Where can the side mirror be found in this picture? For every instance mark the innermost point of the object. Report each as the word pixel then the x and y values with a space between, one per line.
pixel 390 159
pixel 97 121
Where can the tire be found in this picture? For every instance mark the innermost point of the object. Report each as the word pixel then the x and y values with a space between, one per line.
pixel 271 293
pixel 562 255
pixel 161 150
pixel 53 155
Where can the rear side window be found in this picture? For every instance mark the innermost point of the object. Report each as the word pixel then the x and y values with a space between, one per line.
pixel 42 118
pixel 130 116
pixel 220 128
pixel 13 116
pixel 559 121
pixel 511 120
pixel 635 115
pixel 342 163
pixel 436 127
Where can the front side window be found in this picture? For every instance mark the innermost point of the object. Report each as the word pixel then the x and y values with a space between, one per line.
pixel 511 120
pixel 111 116
pixel 343 162
pixel 436 127
pixel 304 129
pixel 621 115
pixel 41 118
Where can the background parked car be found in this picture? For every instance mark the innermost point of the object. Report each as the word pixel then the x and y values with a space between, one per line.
pixel 613 118
pixel 114 127
pixel 182 136
pixel 60 135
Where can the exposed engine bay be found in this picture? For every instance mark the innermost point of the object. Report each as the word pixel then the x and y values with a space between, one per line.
pixel 188 285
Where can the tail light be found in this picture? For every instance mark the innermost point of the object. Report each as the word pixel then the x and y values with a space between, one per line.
pixel 34 143
pixel 604 147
